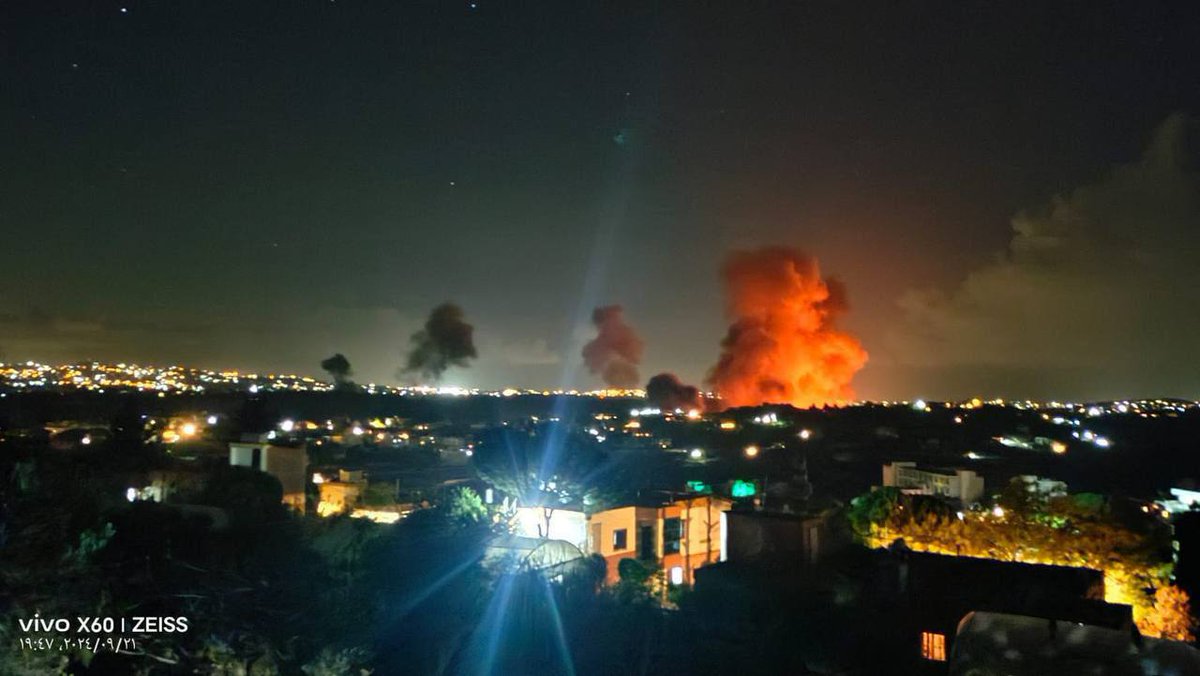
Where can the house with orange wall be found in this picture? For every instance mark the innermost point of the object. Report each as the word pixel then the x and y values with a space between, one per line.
pixel 679 535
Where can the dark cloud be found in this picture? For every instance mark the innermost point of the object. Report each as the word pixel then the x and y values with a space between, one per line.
pixel 338 367
pixel 616 351
pixel 447 340
pixel 667 392
pixel 1100 287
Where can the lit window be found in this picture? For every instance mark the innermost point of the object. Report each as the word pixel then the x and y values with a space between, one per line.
pixel 620 539
pixel 933 646
pixel 677 575
pixel 672 534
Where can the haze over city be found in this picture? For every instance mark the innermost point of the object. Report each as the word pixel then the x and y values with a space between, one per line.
pixel 1007 196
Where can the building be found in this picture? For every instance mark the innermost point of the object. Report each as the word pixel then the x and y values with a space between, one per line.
pixel 963 485
pixel 341 495
pixel 1019 645
pixel 680 535
pixel 935 592
pixel 1043 488
pixel 751 535
pixel 289 464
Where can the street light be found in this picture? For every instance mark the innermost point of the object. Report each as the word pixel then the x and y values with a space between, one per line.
pixel 751 451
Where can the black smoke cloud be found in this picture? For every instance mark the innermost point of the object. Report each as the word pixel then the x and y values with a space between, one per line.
pixel 616 351
pixel 667 392
pixel 338 367
pixel 447 340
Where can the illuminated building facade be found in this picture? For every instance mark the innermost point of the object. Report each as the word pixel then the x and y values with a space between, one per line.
pixel 963 485
pixel 680 536
pixel 287 463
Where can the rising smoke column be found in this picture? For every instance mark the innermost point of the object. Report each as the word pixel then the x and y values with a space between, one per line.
pixel 447 340
pixel 667 392
pixel 616 351
pixel 782 346
pixel 338 367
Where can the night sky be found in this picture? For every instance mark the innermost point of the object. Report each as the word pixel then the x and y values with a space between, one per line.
pixel 1006 189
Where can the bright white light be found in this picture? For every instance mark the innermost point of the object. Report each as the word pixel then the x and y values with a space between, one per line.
pixel 1094 411
pixel 1102 442
pixel 271 434
pixel 805 434
pixel 317 478
pixel 920 405
pixel 131 494
pixel 960 516
pixel 86 440
pixel 287 425
pixel 357 431
pixel 677 575
pixel 998 511
pixel 751 451
pixel 696 454
pixel 212 420
pixel 188 429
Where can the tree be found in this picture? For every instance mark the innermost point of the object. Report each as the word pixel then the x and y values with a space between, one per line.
pixel 1171 616
pixel 464 506
pixel 872 509
pixel 548 467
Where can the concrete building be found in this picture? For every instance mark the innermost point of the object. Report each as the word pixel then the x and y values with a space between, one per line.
pixel 287 463
pixel 340 495
pixel 963 485
pixel 750 536
pixel 680 536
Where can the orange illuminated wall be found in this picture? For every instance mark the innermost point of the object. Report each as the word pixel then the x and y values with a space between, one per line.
pixel 683 535
pixel 933 646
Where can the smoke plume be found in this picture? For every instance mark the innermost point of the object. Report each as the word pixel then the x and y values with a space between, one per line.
pixel 338 367
pixel 447 340
pixel 616 351
pixel 667 392
pixel 783 346
pixel 1094 297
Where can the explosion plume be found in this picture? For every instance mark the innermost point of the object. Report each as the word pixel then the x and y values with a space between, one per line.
pixel 667 392
pixel 782 346
pixel 338 367
pixel 447 340
pixel 616 351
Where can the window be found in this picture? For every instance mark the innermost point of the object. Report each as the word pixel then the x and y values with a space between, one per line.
pixel 677 575
pixel 620 539
pixel 672 534
pixel 933 646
